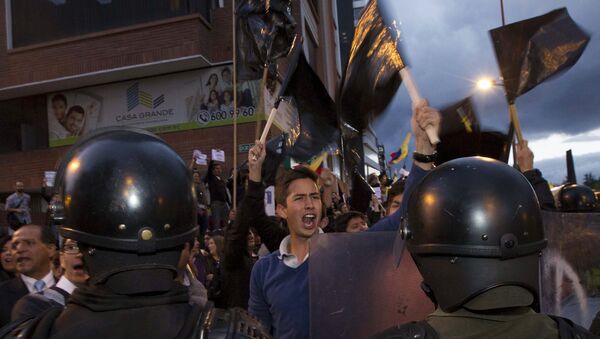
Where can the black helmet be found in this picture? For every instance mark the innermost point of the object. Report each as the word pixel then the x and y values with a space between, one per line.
pixel 125 190
pixel 474 224
pixel 576 198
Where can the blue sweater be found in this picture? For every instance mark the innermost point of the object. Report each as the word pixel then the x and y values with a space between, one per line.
pixel 392 222
pixel 279 296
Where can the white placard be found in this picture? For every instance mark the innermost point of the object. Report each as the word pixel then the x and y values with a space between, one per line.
pixel 200 158
pixel 270 200
pixel 50 175
pixel 218 155
pixel 377 192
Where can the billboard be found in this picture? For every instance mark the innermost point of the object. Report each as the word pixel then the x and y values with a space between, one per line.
pixel 175 102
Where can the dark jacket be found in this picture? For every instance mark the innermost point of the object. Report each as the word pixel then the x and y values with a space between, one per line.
pixel 10 292
pixel 237 263
pixel 542 190
pixel 32 305
pixel 253 214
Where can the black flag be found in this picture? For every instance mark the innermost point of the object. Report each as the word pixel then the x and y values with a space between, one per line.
pixel 372 76
pixel 461 136
pixel 265 31
pixel 360 196
pixel 276 152
pixel 459 117
pixel 533 50
pixel 316 110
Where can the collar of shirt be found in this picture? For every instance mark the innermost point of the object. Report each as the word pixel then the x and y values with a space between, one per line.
pixel 29 281
pixel 66 285
pixel 288 258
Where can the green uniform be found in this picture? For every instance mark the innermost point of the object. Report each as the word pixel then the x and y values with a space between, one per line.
pixel 520 322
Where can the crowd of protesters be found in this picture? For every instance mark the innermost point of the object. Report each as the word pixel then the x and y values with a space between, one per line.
pixel 243 258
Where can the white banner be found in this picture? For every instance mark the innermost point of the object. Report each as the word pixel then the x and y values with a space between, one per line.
pixel 174 102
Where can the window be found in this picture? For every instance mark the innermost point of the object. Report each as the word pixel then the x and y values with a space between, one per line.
pixel 357 13
pixel 312 51
pixel 23 124
pixel 38 21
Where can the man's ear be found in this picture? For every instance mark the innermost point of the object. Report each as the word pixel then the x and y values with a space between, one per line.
pixel 281 211
pixel 51 250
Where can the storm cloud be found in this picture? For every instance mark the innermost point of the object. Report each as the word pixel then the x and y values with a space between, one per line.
pixel 448 49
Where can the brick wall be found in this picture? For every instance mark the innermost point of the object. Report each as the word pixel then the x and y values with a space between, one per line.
pixel 145 43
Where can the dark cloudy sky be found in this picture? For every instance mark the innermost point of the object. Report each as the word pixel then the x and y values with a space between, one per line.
pixel 449 49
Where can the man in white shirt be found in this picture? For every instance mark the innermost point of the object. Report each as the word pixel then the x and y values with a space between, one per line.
pixel 75 275
pixel 33 248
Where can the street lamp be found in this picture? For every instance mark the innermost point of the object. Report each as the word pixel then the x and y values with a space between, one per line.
pixel 486 84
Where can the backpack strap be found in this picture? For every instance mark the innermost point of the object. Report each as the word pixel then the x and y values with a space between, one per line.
pixel 567 329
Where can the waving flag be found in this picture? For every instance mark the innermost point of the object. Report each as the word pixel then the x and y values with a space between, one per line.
pixel 372 76
pixel 265 31
pixel 402 151
pixel 316 110
pixel 533 50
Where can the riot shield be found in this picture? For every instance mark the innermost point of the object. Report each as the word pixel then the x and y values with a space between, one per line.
pixel 570 270
pixel 356 290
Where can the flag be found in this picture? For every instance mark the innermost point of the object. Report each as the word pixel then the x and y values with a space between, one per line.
pixel 492 144
pixel 531 51
pixel 316 165
pixel 459 117
pixel 461 136
pixel 318 127
pixel 372 76
pixel 360 196
pixel 402 151
pixel 265 31
pixel 276 153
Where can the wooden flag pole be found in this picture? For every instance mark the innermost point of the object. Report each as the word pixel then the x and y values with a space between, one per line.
pixel 265 132
pixel 415 97
pixel 261 101
pixel 514 118
pixel 234 202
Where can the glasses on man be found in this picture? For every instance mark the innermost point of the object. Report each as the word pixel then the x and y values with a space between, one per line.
pixel 71 249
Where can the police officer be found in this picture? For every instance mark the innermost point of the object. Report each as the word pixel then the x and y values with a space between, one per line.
pixel 475 231
pixel 576 198
pixel 127 199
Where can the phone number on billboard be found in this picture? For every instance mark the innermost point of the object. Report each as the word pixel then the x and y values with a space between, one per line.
pixel 206 117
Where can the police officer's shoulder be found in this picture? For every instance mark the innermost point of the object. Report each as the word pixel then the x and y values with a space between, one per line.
pixel 420 329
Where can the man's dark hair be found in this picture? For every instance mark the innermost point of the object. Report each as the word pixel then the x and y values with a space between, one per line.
pixel 226 69
pixel 76 109
pixel 46 236
pixel 341 222
pixel 282 187
pixel 396 189
pixel 59 97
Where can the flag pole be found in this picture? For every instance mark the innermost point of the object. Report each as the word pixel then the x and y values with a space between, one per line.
pixel 415 97
pixel 261 101
pixel 234 106
pixel 514 118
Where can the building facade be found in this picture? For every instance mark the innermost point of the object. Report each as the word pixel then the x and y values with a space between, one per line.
pixel 147 63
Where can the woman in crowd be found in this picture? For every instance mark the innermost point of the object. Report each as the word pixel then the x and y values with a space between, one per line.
pixel 8 267
pixel 212 264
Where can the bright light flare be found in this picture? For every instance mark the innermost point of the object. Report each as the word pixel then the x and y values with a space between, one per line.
pixel 485 84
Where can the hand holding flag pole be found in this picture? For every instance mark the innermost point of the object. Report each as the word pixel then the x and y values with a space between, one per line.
pixel 416 99
pixel 375 70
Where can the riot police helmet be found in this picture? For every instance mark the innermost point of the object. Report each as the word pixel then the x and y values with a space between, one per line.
pixel 474 224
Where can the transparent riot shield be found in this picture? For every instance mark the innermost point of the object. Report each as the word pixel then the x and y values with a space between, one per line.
pixel 356 290
pixel 570 270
